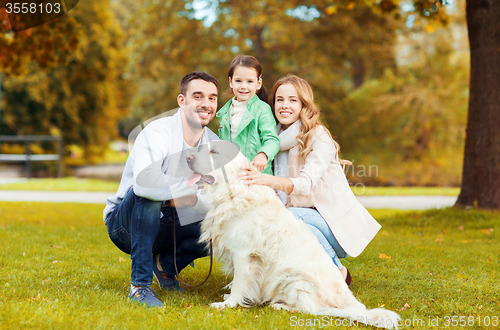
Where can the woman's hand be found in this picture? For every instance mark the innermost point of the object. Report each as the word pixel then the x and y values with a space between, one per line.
pixel 251 175
pixel 260 161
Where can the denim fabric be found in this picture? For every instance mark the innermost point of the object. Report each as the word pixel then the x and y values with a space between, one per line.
pixel 136 227
pixel 321 230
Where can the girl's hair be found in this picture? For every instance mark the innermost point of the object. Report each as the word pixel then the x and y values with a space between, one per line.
pixel 252 63
pixel 308 116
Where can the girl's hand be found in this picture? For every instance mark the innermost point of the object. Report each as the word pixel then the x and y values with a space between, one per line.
pixel 251 175
pixel 260 161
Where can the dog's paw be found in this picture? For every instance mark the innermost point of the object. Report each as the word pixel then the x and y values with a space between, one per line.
pixel 279 306
pixel 228 287
pixel 218 305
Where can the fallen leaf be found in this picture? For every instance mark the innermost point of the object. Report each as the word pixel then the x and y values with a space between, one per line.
pixel 56 246
pixel 406 306
pixel 460 227
pixel 430 274
pixel 383 256
pixel 487 231
pixel 381 305
pixel 35 299
pixel 121 260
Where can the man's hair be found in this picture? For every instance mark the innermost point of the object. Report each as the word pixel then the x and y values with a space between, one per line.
pixel 197 75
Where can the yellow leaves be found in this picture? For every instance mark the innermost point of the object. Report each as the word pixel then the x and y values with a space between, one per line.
pixel 406 306
pixel 430 28
pixel 384 257
pixel 331 10
pixel 487 231
pixel 35 298
pixel 38 297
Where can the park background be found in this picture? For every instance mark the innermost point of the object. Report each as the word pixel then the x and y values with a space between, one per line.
pixel 391 78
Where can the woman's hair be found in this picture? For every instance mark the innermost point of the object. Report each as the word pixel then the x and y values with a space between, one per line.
pixel 308 116
pixel 252 63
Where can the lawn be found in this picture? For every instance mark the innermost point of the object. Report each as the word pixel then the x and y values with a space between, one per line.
pixel 59 270
pixel 63 184
pixel 77 184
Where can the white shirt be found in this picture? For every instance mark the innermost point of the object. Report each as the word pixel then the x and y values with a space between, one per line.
pixel 236 112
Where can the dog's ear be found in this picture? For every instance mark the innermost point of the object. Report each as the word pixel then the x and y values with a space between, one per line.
pixel 227 151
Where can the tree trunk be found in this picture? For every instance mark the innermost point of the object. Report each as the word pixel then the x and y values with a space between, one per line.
pixel 481 169
pixel 358 72
pixel 262 55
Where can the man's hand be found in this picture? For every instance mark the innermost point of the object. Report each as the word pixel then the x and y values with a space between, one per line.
pixel 260 161
pixel 188 201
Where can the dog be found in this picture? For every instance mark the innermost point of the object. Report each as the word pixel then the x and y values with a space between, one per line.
pixel 274 257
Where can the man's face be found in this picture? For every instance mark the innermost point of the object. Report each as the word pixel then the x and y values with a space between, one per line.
pixel 199 103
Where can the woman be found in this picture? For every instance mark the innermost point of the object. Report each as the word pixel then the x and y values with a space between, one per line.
pixel 309 175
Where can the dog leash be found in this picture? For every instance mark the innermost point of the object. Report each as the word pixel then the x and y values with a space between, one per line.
pixel 175 256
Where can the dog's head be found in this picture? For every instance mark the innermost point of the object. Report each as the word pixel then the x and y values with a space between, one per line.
pixel 215 162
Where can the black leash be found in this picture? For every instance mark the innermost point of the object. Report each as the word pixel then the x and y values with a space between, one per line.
pixel 175 255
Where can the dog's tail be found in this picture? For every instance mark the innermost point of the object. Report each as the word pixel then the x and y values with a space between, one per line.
pixel 378 317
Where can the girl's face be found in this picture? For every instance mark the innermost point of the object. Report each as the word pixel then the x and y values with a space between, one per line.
pixel 287 105
pixel 244 83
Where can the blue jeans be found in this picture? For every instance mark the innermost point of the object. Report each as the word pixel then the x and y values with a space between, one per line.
pixel 321 230
pixel 136 227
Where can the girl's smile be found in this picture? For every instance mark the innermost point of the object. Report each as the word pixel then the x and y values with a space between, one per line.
pixel 244 83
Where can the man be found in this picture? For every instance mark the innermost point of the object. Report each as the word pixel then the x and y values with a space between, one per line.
pixel 139 216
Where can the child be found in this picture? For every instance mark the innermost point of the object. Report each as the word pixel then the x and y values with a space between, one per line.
pixel 247 119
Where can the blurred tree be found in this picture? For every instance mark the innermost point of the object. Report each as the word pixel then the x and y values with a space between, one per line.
pixel 50 44
pixel 82 99
pixel 409 123
pixel 183 36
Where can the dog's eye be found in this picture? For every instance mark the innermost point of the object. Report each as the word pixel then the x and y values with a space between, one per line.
pixel 213 151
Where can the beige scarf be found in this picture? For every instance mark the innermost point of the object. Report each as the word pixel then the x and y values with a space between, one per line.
pixel 288 140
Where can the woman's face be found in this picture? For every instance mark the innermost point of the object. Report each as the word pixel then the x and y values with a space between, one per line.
pixel 287 105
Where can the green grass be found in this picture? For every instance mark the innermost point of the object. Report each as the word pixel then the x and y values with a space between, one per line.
pixel 63 184
pixel 405 191
pixel 59 270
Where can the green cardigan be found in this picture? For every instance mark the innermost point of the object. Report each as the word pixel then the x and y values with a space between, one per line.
pixel 256 132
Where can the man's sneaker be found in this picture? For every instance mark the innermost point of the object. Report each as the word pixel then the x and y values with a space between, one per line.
pixel 144 295
pixel 166 282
